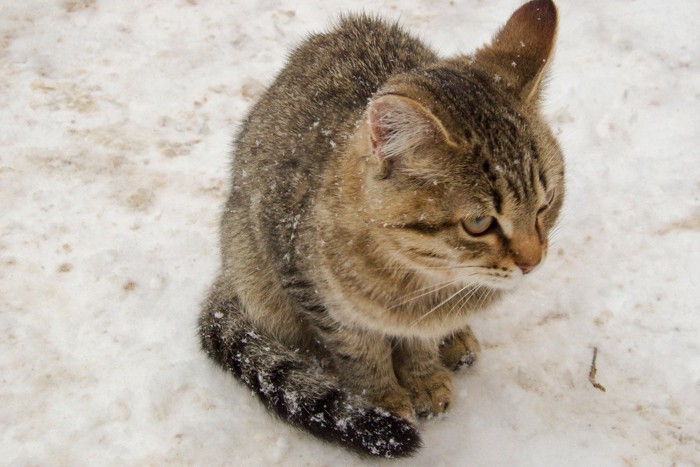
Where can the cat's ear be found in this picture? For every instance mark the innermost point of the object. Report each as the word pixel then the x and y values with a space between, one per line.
pixel 398 127
pixel 521 50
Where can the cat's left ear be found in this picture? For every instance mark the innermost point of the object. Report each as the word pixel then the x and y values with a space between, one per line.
pixel 522 49
pixel 399 127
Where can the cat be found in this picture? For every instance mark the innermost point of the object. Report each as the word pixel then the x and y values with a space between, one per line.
pixel 380 195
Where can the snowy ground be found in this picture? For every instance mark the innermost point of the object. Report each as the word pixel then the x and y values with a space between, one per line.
pixel 115 124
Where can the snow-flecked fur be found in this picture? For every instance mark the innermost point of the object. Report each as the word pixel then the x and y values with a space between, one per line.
pixel 343 235
pixel 294 386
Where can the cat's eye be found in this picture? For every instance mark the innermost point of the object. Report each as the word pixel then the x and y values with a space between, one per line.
pixel 478 225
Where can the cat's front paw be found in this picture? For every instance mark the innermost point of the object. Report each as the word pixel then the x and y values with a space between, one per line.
pixel 460 349
pixel 397 401
pixel 430 394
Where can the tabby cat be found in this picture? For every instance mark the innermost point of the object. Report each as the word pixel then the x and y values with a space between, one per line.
pixel 381 194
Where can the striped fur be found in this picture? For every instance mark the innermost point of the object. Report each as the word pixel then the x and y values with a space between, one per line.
pixel 294 386
pixel 348 275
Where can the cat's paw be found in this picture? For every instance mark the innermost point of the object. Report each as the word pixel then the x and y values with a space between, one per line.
pixel 397 401
pixel 430 394
pixel 460 349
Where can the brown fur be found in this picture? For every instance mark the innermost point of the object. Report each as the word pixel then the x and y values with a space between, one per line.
pixel 346 235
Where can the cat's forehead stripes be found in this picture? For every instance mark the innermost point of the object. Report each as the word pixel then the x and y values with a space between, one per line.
pixel 496 135
pixel 497 201
pixel 515 179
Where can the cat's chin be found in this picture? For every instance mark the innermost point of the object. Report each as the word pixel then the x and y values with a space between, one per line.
pixel 508 284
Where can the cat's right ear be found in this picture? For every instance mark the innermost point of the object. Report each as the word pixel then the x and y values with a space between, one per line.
pixel 398 127
pixel 522 49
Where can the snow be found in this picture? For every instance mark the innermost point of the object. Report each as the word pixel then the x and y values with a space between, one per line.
pixel 116 123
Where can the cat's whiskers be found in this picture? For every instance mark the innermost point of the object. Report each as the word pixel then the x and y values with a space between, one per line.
pixel 430 289
pixel 419 268
pixel 553 233
pixel 485 297
pixel 425 315
pixel 463 301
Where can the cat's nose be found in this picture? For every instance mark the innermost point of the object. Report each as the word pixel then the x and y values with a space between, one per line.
pixel 525 268
pixel 526 252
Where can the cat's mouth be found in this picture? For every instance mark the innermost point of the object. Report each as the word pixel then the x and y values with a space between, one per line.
pixel 502 277
pixel 499 277
pixel 493 277
pixel 496 276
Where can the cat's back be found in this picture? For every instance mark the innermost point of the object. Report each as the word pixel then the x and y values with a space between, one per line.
pixel 332 74
pixel 308 111
pixel 355 58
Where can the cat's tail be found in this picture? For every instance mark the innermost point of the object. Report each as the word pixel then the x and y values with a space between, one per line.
pixel 295 388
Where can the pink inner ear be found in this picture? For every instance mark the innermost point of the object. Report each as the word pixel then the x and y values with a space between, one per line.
pixel 400 125
pixel 387 116
pixel 377 132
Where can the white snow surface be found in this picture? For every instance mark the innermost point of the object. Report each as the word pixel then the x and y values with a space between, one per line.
pixel 116 121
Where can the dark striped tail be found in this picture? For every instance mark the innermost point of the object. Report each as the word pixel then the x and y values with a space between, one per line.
pixel 294 387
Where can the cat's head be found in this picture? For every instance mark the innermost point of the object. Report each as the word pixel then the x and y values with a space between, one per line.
pixel 467 181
